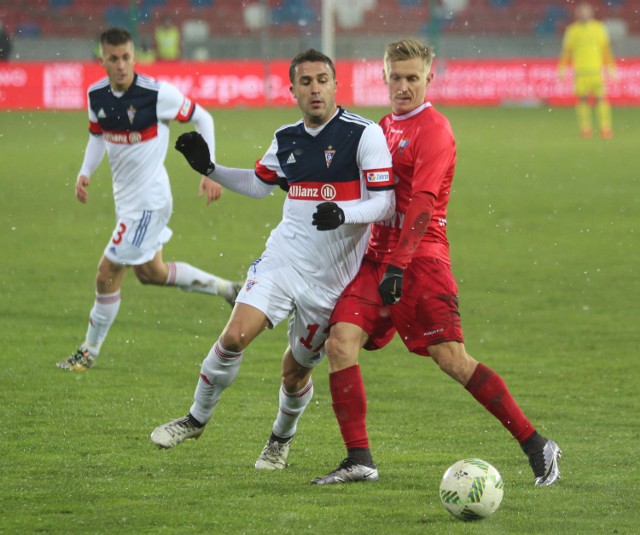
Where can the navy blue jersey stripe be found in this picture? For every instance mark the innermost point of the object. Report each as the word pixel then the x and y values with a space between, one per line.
pixel 148 83
pixel 355 118
pixel 99 84
pixel 141 231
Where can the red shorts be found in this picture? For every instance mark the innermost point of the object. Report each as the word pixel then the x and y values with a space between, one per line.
pixel 426 315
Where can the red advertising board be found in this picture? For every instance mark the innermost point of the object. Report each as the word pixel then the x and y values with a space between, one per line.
pixel 254 83
pixel 497 82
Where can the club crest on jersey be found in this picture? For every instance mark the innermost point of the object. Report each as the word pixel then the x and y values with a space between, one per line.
pixel 328 155
pixel 404 143
pixel 131 112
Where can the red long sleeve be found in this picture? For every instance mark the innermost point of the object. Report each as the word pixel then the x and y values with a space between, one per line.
pixel 416 221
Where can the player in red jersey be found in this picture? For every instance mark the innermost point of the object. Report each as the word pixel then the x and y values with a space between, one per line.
pixel 405 283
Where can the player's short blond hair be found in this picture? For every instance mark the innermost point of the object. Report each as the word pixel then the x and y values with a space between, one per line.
pixel 408 49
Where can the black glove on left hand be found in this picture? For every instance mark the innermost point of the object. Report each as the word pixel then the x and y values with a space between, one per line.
pixel 195 149
pixel 328 216
pixel 390 287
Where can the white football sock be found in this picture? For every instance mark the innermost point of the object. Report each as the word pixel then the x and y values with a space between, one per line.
pixel 218 372
pixel 102 315
pixel 191 279
pixel 292 405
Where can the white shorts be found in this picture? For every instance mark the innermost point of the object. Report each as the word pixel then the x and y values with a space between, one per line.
pixel 138 236
pixel 279 291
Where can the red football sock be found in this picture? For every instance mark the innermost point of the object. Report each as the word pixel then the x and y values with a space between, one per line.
pixel 491 391
pixel 350 406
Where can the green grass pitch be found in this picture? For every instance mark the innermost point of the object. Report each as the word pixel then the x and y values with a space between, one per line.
pixel 544 228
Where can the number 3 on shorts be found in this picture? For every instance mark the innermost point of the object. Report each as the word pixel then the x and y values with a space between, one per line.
pixel 117 237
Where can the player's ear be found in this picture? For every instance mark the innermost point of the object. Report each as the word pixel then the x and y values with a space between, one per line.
pixel 384 75
pixel 293 92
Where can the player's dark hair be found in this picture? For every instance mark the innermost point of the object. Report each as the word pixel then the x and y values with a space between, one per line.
pixel 115 37
pixel 311 55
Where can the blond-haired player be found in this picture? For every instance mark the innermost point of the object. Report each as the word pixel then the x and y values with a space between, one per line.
pixel 405 283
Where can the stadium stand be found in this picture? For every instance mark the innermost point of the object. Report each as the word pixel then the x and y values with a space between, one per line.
pixel 87 18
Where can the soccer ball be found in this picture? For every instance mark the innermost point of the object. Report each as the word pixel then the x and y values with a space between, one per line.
pixel 471 489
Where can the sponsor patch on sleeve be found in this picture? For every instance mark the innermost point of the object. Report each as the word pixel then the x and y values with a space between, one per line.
pixel 374 177
pixel 186 110
pixel 379 176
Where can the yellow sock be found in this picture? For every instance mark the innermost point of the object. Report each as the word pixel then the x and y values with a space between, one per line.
pixel 604 116
pixel 583 111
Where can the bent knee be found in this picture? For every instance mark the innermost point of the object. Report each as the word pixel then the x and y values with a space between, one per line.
pixel 341 354
pixel 146 276
pixel 335 349
pixel 235 338
pixel 107 278
pixel 453 359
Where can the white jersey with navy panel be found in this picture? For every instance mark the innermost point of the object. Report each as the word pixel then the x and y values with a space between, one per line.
pixel 135 130
pixel 341 161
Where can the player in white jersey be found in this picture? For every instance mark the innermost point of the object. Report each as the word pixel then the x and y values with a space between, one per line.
pixel 129 118
pixel 336 168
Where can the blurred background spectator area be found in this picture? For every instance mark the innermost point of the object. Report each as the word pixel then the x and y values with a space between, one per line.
pixel 87 18
pixel 204 19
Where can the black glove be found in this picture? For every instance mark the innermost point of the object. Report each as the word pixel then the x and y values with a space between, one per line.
pixel 283 183
pixel 195 149
pixel 328 216
pixel 390 287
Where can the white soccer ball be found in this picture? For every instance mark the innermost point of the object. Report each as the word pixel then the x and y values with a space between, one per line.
pixel 471 489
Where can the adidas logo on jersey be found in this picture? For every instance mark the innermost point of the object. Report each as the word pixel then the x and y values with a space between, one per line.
pixel 102 114
pixel 291 159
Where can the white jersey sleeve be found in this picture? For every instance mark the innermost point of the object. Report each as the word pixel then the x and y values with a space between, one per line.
pixel 379 206
pixel 93 155
pixel 243 181
pixel 270 160
pixel 373 151
pixel 374 161
pixel 203 122
pixel 173 105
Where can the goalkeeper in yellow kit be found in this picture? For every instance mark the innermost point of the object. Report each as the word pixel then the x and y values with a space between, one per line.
pixel 586 46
